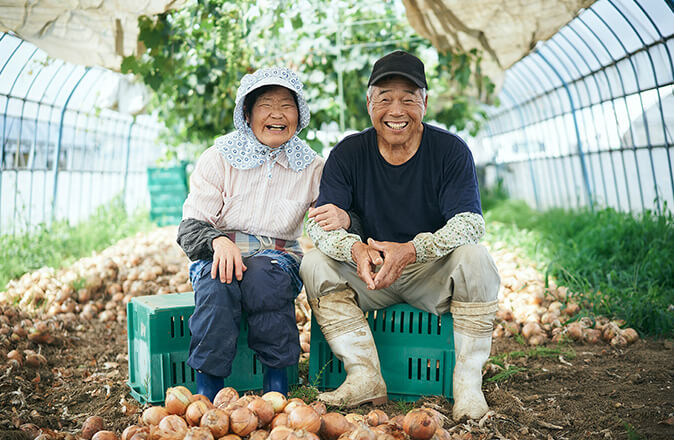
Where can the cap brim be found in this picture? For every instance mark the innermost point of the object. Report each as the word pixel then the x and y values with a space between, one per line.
pixel 403 74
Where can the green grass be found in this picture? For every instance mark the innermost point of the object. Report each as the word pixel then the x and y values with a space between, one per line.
pixel 62 244
pixel 622 265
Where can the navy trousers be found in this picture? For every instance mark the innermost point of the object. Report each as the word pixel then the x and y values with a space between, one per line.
pixel 266 293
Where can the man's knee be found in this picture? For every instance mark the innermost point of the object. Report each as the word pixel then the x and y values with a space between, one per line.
pixel 320 274
pixel 475 277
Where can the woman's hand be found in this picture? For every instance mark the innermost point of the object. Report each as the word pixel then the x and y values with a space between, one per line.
pixel 227 260
pixel 329 217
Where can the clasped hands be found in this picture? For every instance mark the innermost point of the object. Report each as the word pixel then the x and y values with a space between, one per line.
pixel 393 258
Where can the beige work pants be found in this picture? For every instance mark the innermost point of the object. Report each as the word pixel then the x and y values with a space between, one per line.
pixel 465 282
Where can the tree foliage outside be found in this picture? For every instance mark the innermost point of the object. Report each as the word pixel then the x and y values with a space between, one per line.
pixel 196 56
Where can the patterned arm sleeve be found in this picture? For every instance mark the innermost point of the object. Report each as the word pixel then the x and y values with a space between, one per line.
pixel 335 244
pixel 463 228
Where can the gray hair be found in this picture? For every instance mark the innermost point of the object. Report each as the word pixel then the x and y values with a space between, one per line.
pixel 370 91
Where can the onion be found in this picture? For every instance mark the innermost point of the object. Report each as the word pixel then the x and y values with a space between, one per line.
pixel 173 424
pixel 319 407
pixel 91 426
pixel 278 401
pixel 437 416
pixel 16 355
pixel 258 434
pixel 153 415
pixel 242 421
pixel 198 433
pixel 230 437
pixel 333 425
pixel 225 396
pixel 360 433
pixel 104 435
pixel 280 433
pixel 195 411
pixel 537 339
pixel 575 331
pixel 356 419
pixel 302 435
pixel 530 329
pixel 376 417
pixel 201 397
pixel 177 400
pixel 592 335
pixel 398 421
pixel 216 420
pixel 419 424
pixel 304 417
pixel 619 341
pixel 292 404
pixel 131 430
pixel 280 419
pixel 263 410
pixel 629 334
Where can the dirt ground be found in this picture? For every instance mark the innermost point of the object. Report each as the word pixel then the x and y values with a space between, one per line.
pixel 587 392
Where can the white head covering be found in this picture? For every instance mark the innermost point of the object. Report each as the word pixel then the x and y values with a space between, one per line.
pixel 243 150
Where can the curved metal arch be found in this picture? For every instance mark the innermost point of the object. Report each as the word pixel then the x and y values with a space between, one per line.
pixel 547 118
pixel 552 44
pixel 602 100
pixel 657 89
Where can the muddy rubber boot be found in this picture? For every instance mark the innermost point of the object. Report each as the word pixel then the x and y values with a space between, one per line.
pixel 471 354
pixel 348 334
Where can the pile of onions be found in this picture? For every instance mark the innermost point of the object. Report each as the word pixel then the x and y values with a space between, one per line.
pixel 268 417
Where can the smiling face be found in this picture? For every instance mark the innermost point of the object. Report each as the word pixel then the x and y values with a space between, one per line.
pixel 273 116
pixel 397 107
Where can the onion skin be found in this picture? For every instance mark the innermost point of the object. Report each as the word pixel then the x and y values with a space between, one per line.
pixel 104 435
pixel 216 420
pixel 177 400
pixel 398 421
pixel 278 401
pixel 195 411
pixel 263 410
pixel 173 423
pixel 292 404
pixel 131 430
pixel 319 407
pixel 302 435
pixel 198 397
pixel 360 433
pixel 441 434
pixel 198 433
pixel 333 425
pixel 280 433
pixel 304 417
pixel 630 335
pixel 242 422
pixel 225 396
pixel 230 437
pixel 91 426
pixel 280 419
pixel 419 424
pixel 258 434
pixel 153 415
pixel 354 418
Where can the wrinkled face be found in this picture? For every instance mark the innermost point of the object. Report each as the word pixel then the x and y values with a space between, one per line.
pixel 273 117
pixel 396 108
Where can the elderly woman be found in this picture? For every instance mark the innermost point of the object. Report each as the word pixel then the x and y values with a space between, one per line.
pixel 248 196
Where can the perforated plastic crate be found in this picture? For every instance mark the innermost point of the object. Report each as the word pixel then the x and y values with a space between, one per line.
pixel 416 353
pixel 159 341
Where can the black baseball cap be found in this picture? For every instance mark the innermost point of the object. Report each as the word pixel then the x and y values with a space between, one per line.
pixel 399 63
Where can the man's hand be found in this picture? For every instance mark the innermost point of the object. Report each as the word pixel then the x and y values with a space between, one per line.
pixel 366 258
pixel 330 217
pixel 396 257
pixel 226 260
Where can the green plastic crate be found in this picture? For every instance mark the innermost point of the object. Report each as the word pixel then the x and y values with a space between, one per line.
pixel 168 191
pixel 168 176
pixel 416 353
pixel 159 341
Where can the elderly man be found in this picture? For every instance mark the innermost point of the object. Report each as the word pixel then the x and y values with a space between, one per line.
pixel 414 189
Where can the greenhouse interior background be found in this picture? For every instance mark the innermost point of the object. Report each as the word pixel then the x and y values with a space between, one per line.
pixel 584 119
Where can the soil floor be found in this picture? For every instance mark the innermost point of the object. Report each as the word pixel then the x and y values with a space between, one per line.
pixel 582 392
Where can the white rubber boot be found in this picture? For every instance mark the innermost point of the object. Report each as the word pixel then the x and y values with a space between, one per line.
pixel 348 334
pixel 471 354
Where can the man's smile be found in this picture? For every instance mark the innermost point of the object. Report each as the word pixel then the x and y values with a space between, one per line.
pixel 396 125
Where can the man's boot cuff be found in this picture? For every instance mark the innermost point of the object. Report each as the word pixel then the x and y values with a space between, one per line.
pixel 331 331
pixel 474 319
